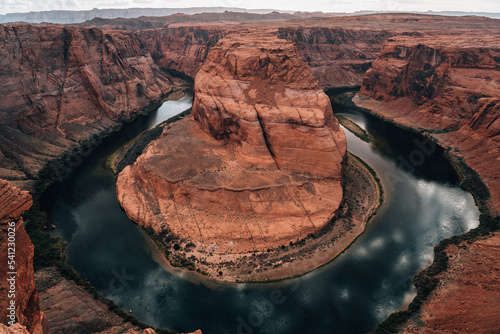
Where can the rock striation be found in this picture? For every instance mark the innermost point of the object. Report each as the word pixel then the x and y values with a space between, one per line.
pixel 13 203
pixel 447 87
pixel 257 166
pixel 62 86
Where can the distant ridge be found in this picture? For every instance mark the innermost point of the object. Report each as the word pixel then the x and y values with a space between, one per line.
pixel 79 16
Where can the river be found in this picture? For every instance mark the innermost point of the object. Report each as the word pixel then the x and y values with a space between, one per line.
pixel 352 294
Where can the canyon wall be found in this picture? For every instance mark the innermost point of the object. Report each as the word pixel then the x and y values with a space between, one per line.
pixel 445 86
pixel 183 49
pixel 448 88
pixel 13 236
pixel 257 166
pixel 65 85
pixel 337 57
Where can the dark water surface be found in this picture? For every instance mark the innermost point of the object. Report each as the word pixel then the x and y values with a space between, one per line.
pixel 352 294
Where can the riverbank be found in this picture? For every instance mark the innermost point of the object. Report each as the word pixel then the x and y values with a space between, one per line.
pixel 116 160
pixel 50 257
pixel 453 264
pixel 362 198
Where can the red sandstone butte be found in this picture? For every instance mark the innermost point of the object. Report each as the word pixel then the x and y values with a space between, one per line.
pixel 13 203
pixel 257 166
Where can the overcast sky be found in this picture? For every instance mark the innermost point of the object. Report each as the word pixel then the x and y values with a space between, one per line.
pixel 10 6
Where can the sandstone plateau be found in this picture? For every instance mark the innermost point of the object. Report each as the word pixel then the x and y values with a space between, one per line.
pixel 62 86
pixel 258 165
pixel 13 203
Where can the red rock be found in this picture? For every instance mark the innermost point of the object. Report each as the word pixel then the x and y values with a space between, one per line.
pixel 258 93
pixel 257 166
pixel 467 299
pixel 13 203
pixel 448 87
pixel 63 85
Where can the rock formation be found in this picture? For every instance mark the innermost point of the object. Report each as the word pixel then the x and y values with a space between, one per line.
pixel 64 85
pixel 338 50
pixel 447 87
pixel 13 203
pixel 336 56
pixel 467 299
pixel 258 165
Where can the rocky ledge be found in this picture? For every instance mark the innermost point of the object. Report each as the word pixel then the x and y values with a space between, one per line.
pixel 447 88
pixel 259 164
pixel 26 310
pixel 66 86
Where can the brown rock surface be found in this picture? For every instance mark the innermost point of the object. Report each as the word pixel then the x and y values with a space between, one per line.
pixel 13 203
pixel 258 166
pixel 448 87
pixel 468 298
pixel 64 85
pixel 71 309
pixel 338 49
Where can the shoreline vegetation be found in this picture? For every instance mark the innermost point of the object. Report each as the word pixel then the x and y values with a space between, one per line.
pixel 363 195
pixel 428 279
pixel 50 251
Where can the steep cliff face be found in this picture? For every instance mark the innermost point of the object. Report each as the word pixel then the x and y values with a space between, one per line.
pixel 258 165
pixel 16 256
pixel 183 49
pixel 447 86
pixel 63 85
pixel 336 56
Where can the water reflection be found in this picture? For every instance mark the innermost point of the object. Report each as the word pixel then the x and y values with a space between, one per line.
pixel 350 295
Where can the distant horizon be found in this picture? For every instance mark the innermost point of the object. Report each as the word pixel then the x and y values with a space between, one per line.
pixel 259 9
pixel 338 6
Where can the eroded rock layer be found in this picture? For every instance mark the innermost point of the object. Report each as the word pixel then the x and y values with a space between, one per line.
pixel 338 50
pixel 21 285
pixel 64 85
pixel 449 88
pixel 258 165
pixel 467 299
